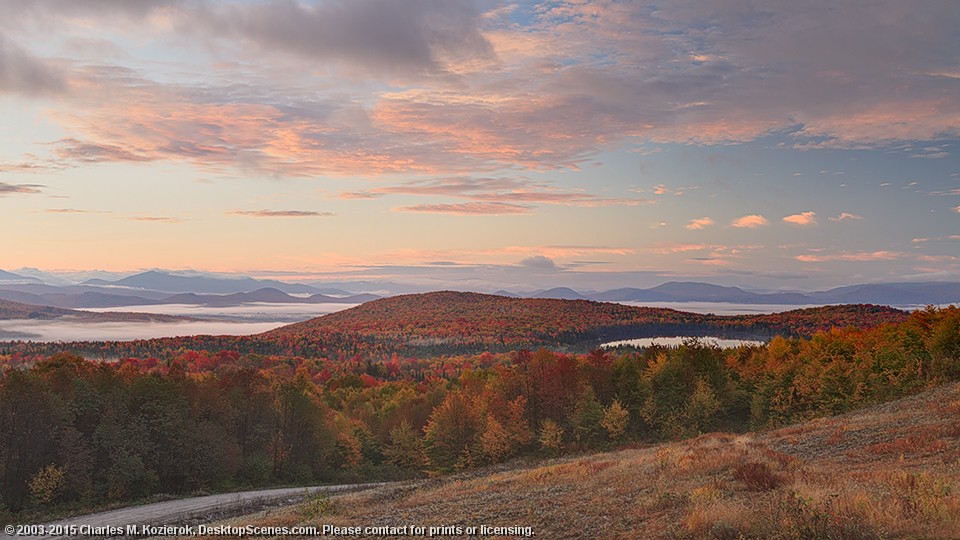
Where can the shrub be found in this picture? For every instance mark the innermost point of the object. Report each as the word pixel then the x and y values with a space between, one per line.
pixel 757 476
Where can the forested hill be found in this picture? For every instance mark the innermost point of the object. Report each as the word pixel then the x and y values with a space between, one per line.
pixel 445 323
pixel 16 310
pixel 446 317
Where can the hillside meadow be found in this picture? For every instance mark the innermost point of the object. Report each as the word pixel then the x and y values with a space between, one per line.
pixel 890 471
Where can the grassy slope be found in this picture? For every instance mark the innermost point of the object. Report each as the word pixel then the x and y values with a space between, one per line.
pixel 891 471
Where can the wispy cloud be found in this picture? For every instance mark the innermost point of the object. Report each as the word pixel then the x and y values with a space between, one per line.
pixel 846 216
pixel 468 209
pixel 857 256
pixel 666 248
pixel 156 219
pixel 750 221
pixel 73 211
pixel 278 213
pixel 33 165
pixel 501 190
pixel 803 219
pixel 700 223
pixel 9 189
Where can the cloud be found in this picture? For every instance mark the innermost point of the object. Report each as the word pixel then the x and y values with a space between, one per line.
pixel 7 189
pixel 35 165
pixel 25 74
pixel 803 219
pixel 507 191
pixel 701 223
pixel 846 216
pixel 674 247
pixel 156 219
pixel 358 195
pixel 365 87
pixel 87 152
pixel 48 11
pixel 469 209
pixel 751 221
pixel 279 213
pixel 956 209
pixel 856 256
pixel 710 261
pixel 72 211
pixel 538 262
pixel 380 36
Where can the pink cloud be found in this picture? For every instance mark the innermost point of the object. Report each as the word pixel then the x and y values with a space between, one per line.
pixel 673 247
pixel 802 219
pixel 859 256
pixel 156 219
pixel 279 213
pixel 496 190
pixel 73 211
pixel 701 223
pixel 751 221
pixel 469 209
pixel 477 91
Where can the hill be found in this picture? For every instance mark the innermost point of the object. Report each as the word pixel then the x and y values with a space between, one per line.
pixel 884 472
pixel 16 310
pixel 483 320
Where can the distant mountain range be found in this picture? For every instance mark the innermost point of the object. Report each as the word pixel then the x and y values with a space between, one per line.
pixel 164 282
pixel 678 291
pixel 9 277
pixel 155 287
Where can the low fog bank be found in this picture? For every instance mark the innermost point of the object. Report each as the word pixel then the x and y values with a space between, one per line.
pixel 257 311
pixel 65 330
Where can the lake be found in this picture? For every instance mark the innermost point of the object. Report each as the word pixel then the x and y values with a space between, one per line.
pixel 723 343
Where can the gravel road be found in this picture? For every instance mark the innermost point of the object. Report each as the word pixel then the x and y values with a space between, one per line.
pixel 184 511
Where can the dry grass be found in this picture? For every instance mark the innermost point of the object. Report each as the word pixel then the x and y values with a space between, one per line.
pixel 888 472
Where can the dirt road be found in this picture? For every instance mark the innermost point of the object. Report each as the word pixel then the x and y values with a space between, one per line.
pixel 182 511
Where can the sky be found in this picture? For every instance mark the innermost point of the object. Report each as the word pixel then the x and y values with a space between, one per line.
pixel 484 144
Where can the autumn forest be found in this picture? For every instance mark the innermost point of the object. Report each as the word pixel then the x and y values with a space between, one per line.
pixel 419 385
